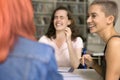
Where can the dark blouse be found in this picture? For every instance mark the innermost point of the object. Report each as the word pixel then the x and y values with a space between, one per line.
pixel 103 58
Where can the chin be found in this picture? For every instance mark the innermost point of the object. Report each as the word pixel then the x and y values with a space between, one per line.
pixel 91 31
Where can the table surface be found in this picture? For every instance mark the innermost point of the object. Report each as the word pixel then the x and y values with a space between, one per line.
pixel 80 74
pixel 97 54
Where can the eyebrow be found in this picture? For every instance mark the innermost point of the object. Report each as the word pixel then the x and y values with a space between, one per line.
pixel 93 13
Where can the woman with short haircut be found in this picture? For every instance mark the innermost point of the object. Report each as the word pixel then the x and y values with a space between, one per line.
pixel 102 18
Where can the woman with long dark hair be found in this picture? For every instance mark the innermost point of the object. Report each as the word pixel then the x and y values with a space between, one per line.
pixel 64 37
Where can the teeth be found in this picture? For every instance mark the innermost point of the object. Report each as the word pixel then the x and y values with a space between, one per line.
pixel 58 24
pixel 91 25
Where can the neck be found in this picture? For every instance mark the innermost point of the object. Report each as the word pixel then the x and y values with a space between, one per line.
pixel 107 33
pixel 60 35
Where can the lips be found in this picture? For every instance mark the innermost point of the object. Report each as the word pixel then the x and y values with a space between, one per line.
pixel 91 26
pixel 58 24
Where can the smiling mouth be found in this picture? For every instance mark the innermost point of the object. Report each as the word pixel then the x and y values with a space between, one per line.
pixel 91 26
pixel 58 24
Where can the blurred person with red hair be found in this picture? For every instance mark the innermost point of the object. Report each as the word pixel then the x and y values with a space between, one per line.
pixel 21 56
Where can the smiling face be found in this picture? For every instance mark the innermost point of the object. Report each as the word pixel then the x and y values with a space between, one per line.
pixel 97 21
pixel 61 20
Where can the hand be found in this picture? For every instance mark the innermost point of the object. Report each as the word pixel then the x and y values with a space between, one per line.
pixel 68 33
pixel 87 59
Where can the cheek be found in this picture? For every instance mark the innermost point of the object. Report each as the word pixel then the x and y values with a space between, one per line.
pixel 67 22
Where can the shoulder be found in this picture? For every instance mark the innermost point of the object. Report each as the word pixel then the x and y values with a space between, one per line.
pixel 43 50
pixel 26 48
pixel 78 42
pixel 42 53
pixel 43 45
pixel 113 48
pixel 114 41
pixel 43 38
pixel 79 39
pixel 112 53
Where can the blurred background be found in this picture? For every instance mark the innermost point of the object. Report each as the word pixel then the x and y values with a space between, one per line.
pixel 44 8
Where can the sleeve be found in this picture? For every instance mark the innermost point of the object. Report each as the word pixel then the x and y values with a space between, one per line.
pixel 78 43
pixel 43 39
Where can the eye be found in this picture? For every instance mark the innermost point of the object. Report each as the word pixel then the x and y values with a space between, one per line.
pixel 61 17
pixel 93 15
pixel 55 17
pixel 87 16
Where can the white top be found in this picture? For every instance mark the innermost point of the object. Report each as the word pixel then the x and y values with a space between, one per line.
pixel 62 54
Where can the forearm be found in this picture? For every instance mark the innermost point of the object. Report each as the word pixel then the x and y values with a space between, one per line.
pixel 97 67
pixel 74 59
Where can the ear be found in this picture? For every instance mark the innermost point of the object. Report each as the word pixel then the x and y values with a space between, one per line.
pixel 69 22
pixel 110 19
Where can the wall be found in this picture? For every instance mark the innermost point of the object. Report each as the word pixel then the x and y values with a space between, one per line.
pixel 117 26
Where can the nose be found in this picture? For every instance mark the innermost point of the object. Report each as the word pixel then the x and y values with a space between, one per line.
pixel 89 19
pixel 57 18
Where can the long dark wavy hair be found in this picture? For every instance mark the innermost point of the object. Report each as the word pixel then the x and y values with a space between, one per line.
pixel 51 32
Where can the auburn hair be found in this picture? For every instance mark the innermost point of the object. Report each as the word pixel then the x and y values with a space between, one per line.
pixel 16 19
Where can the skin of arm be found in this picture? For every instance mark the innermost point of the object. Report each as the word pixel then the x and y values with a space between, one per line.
pixel 75 54
pixel 98 68
pixel 112 56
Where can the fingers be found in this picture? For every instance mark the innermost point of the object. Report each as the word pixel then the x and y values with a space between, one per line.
pixel 86 59
pixel 67 30
pixel 82 60
pixel 68 33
